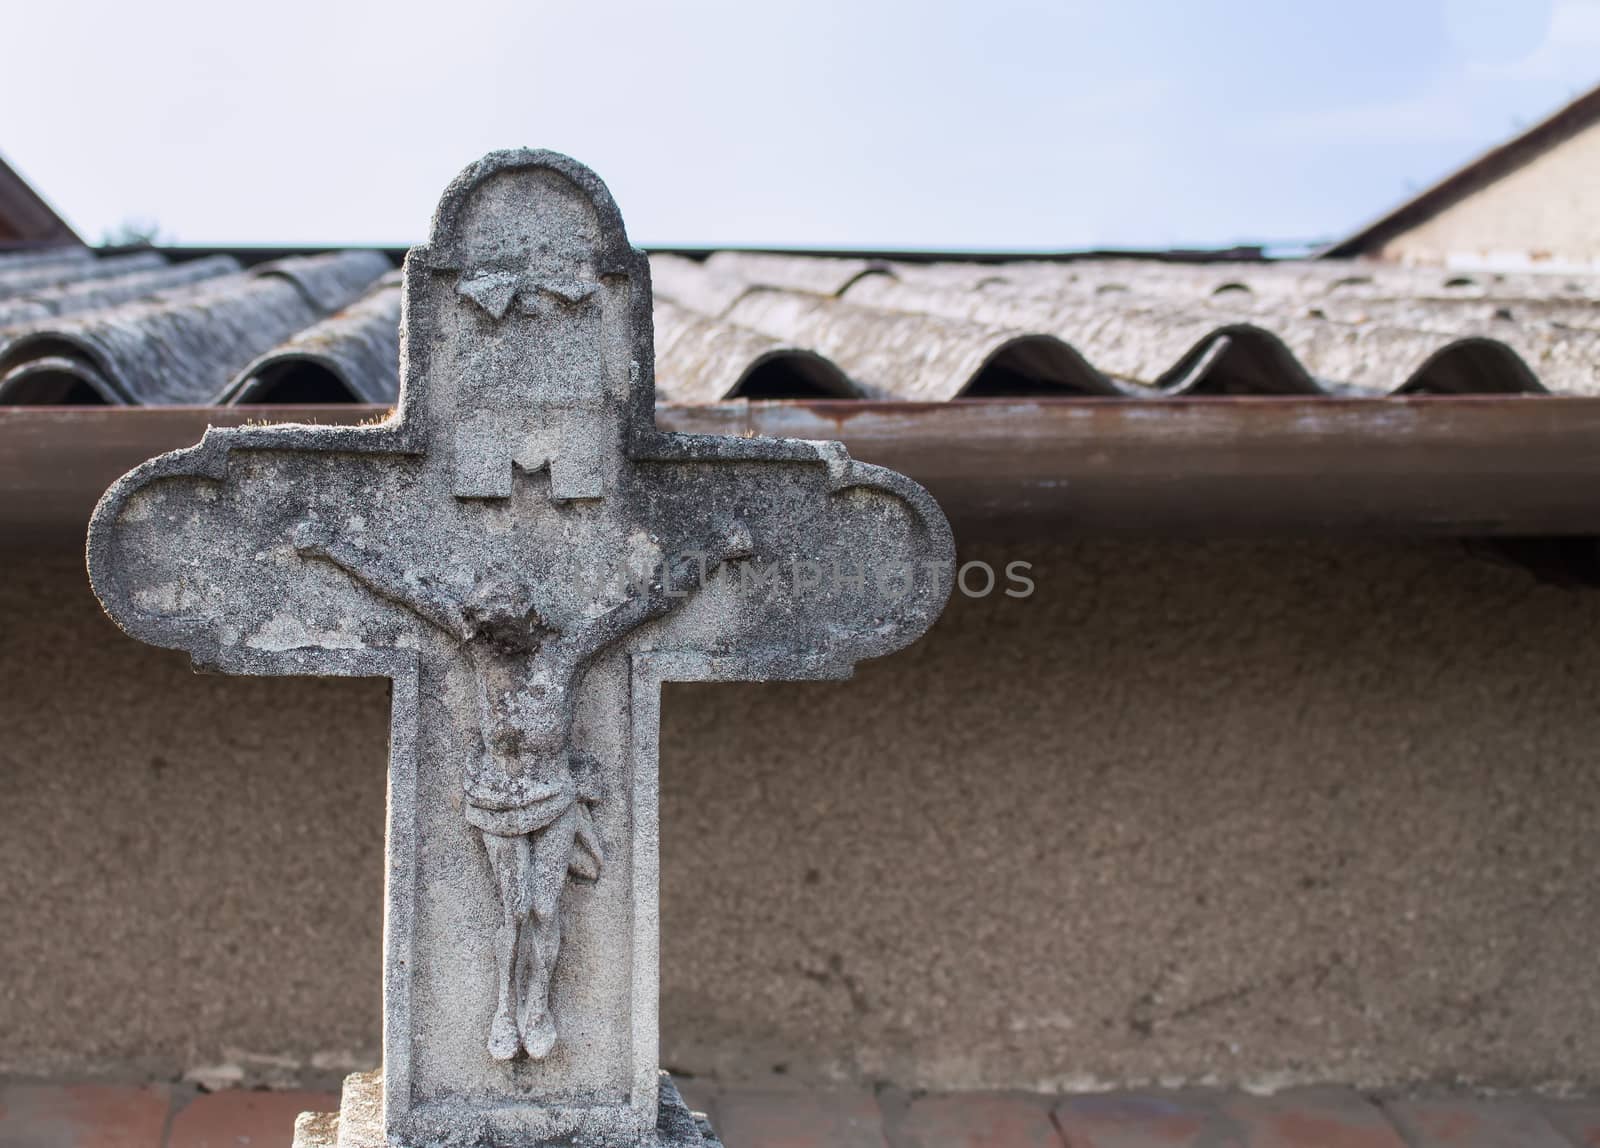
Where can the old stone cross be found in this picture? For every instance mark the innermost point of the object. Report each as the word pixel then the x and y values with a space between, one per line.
pixel 527 558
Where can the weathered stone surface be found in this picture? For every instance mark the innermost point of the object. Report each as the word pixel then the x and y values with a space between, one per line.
pixel 359 1121
pixel 527 558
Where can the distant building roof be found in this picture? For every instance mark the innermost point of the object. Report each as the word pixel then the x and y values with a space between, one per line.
pixel 26 220
pixel 1488 169
pixel 145 329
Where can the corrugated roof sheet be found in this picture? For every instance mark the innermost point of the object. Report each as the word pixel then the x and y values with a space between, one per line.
pixel 141 329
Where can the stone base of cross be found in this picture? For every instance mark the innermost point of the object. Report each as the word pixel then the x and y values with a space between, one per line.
pixel 526 558
pixel 359 1121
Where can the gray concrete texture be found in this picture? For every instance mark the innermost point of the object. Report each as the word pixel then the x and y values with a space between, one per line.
pixel 1237 812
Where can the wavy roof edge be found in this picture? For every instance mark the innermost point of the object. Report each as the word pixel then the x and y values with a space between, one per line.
pixel 138 327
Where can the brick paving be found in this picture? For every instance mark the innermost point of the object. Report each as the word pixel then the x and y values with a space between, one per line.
pixel 98 1115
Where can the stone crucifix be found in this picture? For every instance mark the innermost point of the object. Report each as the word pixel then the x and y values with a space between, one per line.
pixel 527 558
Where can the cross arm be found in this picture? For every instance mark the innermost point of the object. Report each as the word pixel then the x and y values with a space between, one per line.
pixel 381 574
pixel 679 578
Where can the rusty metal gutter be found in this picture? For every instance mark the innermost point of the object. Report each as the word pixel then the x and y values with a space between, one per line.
pixel 1486 466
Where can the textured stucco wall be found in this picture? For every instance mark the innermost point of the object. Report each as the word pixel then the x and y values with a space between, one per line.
pixel 1544 213
pixel 1242 812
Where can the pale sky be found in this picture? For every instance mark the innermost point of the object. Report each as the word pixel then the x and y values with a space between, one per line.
pixel 833 123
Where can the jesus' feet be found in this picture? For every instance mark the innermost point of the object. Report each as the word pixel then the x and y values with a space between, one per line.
pixel 503 1040
pixel 540 1036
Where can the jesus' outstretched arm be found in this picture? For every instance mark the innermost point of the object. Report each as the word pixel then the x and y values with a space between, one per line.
pixel 380 574
pixel 678 579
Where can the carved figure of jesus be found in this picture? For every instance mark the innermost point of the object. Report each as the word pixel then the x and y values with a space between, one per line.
pixel 529 792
